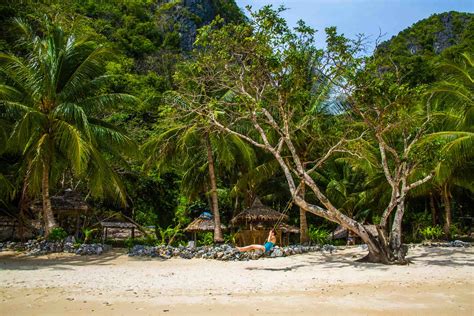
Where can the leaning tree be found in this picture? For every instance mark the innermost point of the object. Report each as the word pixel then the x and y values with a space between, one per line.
pixel 259 73
pixel 53 93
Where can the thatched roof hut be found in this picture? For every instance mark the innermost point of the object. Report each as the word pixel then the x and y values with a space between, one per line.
pixel 258 213
pixel 70 202
pixel 202 224
pixel 115 224
pixel 68 208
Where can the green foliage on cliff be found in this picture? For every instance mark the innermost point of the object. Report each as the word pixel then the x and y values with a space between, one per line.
pixel 417 49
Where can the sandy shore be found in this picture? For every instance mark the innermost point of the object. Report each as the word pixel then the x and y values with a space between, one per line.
pixel 440 281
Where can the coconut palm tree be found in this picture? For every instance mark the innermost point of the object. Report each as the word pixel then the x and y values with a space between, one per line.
pixel 454 129
pixel 7 189
pixel 52 94
pixel 199 151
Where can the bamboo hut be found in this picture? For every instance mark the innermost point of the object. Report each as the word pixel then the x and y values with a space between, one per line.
pixel 67 209
pixel 256 221
pixel 203 223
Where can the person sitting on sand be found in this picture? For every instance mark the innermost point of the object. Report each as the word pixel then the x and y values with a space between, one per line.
pixel 269 244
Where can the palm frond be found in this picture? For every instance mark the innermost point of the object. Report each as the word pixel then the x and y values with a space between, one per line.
pixel 106 101
pixel 72 145
pixel 91 65
pixel 74 115
pixel 112 139
pixel 103 181
pixel 26 130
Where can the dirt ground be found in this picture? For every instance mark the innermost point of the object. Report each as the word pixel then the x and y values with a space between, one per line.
pixel 438 282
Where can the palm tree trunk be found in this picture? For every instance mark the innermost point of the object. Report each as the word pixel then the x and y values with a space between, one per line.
pixel 447 209
pixel 433 209
pixel 48 216
pixel 303 223
pixel 214 203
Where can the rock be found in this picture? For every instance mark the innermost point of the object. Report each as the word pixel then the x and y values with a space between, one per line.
pixel 256 254
pixel 459 243
pixel 92 249
pixel 363 247
pixel 70 239
pixel 329 248
pixel 277 252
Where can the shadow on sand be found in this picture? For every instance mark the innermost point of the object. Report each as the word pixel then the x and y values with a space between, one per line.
pixel 427 256
pixel 340 259
pixel 18 261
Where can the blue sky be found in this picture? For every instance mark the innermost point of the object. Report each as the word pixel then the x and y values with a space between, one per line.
pixel 352 17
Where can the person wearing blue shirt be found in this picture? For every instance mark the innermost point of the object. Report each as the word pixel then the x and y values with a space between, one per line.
pixel 269 244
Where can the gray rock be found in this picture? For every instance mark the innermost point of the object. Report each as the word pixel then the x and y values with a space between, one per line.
pixel 459 243
pixel 329 248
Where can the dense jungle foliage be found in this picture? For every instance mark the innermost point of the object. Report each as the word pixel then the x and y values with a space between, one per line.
pixel 108 98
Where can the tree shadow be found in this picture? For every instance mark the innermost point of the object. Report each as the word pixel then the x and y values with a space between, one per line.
pixel 15 261
pixel 284 269
pixel 424 256
pixel 327 261
pixel 443 257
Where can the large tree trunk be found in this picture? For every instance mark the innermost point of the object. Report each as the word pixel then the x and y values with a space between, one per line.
pixel 397 249
pixel 214 203
pixel 48 216
pixel 304 238
pixel 379 252
pixel 447 210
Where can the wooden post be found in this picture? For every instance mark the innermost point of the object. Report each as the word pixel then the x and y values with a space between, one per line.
pixel 76 234
pixel 133 232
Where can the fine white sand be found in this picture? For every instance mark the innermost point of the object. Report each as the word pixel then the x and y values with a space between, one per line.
pixel 438 282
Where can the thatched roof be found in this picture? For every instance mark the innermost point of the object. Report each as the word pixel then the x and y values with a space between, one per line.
pixel 288 228
pixel 258 213
pixel 118 224
pixel 201 224
pixel 69 201
pixel 341 232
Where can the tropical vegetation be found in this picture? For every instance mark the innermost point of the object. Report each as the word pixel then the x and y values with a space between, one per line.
pixel 161 111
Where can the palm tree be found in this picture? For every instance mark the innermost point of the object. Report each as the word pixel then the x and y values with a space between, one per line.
pixel 455 125
pixel 192 146
pixel 7 189
pixel 52 94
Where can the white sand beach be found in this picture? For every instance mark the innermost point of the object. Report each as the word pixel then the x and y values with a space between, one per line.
pixel 440 281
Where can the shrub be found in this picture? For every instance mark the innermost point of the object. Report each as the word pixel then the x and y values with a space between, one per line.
pixel 88 234
pixel 57 234
pixel 206 239
pixel 230 238
pixel 454 231
pixel 431 232
pixel 418 221
pixel 170 235
pixel 318 235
